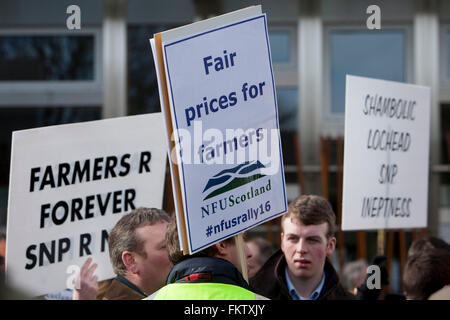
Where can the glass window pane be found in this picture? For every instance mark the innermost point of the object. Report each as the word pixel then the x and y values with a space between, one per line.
pixel 448 53
pixel 280 46
pixel 364 53
pixel 46 57
pixel 143 96
pixel 287 99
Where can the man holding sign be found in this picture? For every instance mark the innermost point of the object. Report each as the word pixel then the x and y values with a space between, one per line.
pixel 211 274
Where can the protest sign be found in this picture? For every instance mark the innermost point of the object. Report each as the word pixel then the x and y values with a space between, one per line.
pixel 218 96
pixel 387 128
pixel 69 185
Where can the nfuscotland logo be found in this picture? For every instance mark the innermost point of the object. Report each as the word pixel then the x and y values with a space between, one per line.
pixel 229 179
pixel 232 178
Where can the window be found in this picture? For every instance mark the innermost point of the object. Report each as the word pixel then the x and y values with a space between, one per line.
pixel 287 98
pixel 375 54
pixel 143 95
pixel 280 45
pixel 445 61
pixel 447 40
pixel 50 67
pixel 283 47
pixel 46 57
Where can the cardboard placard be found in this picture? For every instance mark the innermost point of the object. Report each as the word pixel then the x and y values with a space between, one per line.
pixel 387 130
pixel 218 96
pixel 69 185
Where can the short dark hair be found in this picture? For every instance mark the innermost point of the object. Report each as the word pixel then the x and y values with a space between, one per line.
pixel 173 245
pixel 123 236
pixel 426 272
pixel 421 245
pixel 312 209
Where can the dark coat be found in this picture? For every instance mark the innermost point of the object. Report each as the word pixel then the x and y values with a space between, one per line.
pixel 207 270
pixel 270 281
pixel 120 289
pixel 213 269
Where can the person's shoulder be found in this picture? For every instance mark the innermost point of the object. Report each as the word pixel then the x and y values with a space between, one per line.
pixel 119 291
pixel 266 270
pixel 333 289
pixel 265 282
pixel 103 287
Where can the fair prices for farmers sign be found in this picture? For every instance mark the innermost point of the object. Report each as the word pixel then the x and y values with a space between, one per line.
pixel 221 103
pixel 69 185
pixel 387 130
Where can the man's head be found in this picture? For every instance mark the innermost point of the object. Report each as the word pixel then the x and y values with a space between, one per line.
pixel 137 248
pixel 307 237
pixel 225 249
pixel 354 274
pixel 426 272
pixel 425 244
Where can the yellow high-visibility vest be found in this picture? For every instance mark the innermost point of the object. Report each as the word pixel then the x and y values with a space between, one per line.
pixel 202 291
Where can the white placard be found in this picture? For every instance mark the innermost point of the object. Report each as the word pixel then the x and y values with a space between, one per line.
pixel 224 111
pixel 387 129
pixel 69 185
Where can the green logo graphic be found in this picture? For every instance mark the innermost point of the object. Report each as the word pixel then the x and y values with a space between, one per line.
pixel 232 178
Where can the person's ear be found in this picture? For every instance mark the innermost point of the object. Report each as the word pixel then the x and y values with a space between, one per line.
pixel 221 248
pixel 331 246
pixel 128 259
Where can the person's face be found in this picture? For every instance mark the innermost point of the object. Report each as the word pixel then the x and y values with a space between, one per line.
pixel 153 266
pixel 306 248
pixel 252 261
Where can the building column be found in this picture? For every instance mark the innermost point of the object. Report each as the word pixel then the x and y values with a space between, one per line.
pixel 115 59
pixel 426 67
pixel 310 80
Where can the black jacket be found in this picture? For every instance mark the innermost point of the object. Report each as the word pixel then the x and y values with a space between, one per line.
pixel 270 281
pixel 206 269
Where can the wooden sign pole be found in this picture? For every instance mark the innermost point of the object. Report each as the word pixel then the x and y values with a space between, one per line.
pixel 389 252
pixel 340 168
pixel 239 240
pixel 177 183
pixel 380 241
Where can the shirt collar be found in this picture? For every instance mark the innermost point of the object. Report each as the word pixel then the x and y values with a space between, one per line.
pixel 293 292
